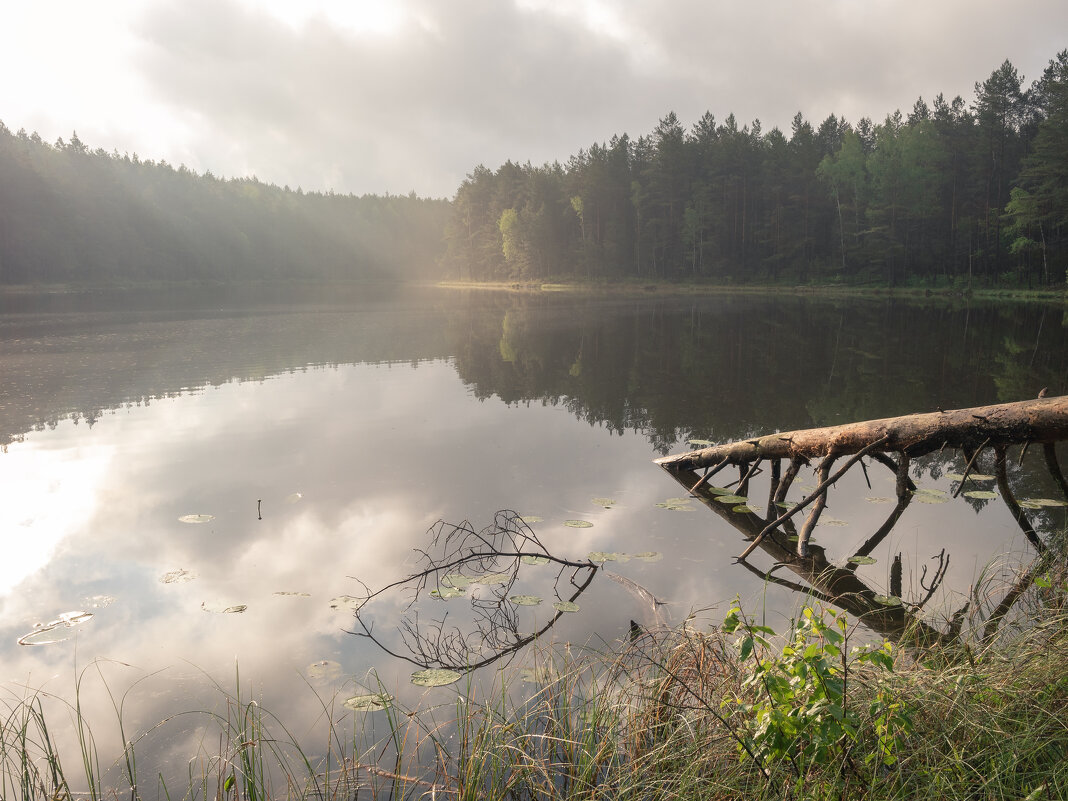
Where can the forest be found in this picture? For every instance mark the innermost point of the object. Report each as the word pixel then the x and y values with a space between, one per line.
pixel 951 194
pixel 71 215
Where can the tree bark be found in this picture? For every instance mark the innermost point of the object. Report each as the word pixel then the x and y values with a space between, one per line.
pixel 1039 421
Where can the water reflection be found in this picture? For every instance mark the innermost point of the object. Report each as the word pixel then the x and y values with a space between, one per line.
pixel 388 414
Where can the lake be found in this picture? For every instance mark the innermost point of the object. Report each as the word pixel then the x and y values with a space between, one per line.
pixel 318 433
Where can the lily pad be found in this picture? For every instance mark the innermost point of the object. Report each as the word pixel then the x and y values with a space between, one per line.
pixel 700 443
pixel 1040 502
pixel 528 519
pixel 682 506
pixel 539 675
pixel 578 524
pixel 718 491
pixel 606 556
pixel 346 602
pixel 534 560
pixel 492 578
pixel 879 500
pixel 607 503
pixel 733 499
pixel 887 600
pixel 980 494
pixel 222 608
pixel 445 593
pixel 371 702
pixel 862 560
pixel 57 630
pixel 323 670
pixel 525 600
pixel 833 522
pixel 292 594
pixel 649 556
pixel 195 518
pixel 566 606
pixel 456 581
pixel 742 508
pixel 177 576
pixel 435 677
pixel 294 497
pixel 930 496
pixel 971 477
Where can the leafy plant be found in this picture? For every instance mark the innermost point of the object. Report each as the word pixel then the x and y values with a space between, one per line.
pixel 796 702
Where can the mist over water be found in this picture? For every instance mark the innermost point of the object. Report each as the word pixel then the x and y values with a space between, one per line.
pixel 325 433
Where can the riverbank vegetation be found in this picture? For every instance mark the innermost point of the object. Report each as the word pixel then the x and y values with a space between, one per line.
pixel 734 711
pixel 951 195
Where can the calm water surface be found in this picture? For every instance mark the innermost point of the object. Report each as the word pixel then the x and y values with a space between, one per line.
pixel 326 432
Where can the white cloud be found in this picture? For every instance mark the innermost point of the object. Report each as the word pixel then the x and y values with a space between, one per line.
pixel 376 96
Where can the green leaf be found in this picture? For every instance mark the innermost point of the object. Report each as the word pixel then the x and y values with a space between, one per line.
pixel 435 677
pixel 578 524
pixel 371 702
pixel 862 560
pixel 525 600
pixel 980 494
pixel 534 560
pixel 566 606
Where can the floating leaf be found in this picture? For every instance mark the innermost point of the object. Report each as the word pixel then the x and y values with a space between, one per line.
pixel 607 503
pixel 700 443
pixel 980 494
pixel 649 556
pixel 603 556
pixel 566 606
pixel 195 518
pixel 718 491
pixel 57 630
pixel 971 477
pixel 492 578
pixel 525 600
pixel 445 593
pixel 784 504
pixel 539 675
pixel 578 524
pixel 1040 502
pixel 879 500
pixel 937 493
pixel 742 508
pixel 176 576
pixel 346 602
pixel 294 497
pixel 862 560
pixel 930 496
pixel 292 594
pixel 731 499
pixel 435 677
pixel 528 519
pixel 457 581
pixel 534 560
pixel 218 606
pixel 324 670
pixel 681 506
pixel 372 702
pixel 887 600
pixel 833 522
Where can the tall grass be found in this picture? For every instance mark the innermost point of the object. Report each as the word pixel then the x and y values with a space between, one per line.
pixel 733 711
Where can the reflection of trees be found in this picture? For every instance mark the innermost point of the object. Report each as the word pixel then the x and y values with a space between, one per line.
pixel 77 357
pixel 893 443
pixel 458 558
pixel 680 368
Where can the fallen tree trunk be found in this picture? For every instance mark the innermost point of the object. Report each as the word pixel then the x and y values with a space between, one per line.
pixel 1039 421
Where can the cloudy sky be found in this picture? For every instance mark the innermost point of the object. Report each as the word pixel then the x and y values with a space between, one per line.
pixel 397 95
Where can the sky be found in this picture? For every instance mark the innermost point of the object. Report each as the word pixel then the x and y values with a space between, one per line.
pixel 377 96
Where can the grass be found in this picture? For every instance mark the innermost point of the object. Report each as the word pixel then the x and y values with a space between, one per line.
pixel 735 711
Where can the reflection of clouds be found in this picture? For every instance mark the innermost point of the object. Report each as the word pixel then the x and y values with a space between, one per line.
pixel 49 492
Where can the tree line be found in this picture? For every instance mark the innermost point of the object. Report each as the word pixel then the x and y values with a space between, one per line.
pixel 69 214
pixel 948 194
